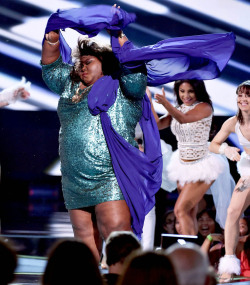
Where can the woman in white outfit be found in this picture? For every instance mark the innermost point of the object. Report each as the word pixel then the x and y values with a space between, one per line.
pixel 191 166
pixel 16 92
pixel 11 94
pixel 239 124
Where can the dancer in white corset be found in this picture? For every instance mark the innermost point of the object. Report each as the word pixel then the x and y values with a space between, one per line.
pixel 191 166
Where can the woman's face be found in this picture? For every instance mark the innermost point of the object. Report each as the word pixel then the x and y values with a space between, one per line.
pixel 243 99
pixel 243 227
pixel 169 223
pixel 90 69
pixel 206 225
pixel 187 94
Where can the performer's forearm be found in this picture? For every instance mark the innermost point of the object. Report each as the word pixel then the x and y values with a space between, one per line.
pixel 51 47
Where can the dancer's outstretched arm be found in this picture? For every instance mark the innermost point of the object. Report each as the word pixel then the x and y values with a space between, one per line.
pixel 162 122
pixel 218 146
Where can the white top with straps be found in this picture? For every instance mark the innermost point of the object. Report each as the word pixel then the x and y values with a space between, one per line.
pixel 192 137
pixel 243 141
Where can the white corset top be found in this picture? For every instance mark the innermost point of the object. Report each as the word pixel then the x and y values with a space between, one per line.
pixel 242 140
pixel 192 137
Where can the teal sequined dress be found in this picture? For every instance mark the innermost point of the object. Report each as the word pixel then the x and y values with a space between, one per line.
pixel 88 177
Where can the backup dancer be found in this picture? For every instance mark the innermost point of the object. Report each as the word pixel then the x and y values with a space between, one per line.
pixel 19 91
pixel 239 124
pixel 192 166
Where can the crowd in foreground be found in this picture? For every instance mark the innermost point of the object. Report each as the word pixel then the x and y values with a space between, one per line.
pixel 72 262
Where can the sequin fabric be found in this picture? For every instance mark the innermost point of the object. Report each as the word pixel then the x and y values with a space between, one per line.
pixel 192 137
pixel 87 174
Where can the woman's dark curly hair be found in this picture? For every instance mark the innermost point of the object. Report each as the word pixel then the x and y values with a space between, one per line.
pixel 199 89
pixel 110 64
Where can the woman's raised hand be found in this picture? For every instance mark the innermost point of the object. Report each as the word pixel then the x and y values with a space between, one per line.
pixel 116 7
pixel 21 93
pixel 161 98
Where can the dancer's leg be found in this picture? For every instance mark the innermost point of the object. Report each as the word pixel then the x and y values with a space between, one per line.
pixel 239 202
pixel 112 216
pixel 229 264
pixel 186 206
pixel 83 228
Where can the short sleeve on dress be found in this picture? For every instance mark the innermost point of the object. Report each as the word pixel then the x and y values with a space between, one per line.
pixel 56 75
pixel 133 85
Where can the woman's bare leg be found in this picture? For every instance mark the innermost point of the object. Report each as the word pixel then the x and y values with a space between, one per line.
pixel 239 203
pixel 112 216
pixel 83 229
pixel 186 206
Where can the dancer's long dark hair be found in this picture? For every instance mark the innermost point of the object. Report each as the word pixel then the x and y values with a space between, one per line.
pixel 201 96
pixel 199 89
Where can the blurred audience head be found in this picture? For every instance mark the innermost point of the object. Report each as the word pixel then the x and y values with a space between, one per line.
pixel 244 226
pixel 119 245
pixel 206 223
pixel 8 262
pixel 71 262
pixel 190 263
pixel 168 222
pixel 148 268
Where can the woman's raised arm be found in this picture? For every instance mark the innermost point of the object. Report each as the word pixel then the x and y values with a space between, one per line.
pixel 201 111
pixel 50 50
pixel 163 122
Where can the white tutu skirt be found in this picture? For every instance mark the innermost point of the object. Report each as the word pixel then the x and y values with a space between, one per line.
pixel 206 169
pixel 243 166
pixel 212 167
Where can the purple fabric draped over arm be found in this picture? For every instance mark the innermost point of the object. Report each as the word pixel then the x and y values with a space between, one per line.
pixel 138 174
pixel 87 21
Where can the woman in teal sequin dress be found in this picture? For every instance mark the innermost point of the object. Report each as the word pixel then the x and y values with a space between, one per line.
pixel 89 183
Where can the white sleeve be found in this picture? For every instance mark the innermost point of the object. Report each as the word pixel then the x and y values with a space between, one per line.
pixel 11 95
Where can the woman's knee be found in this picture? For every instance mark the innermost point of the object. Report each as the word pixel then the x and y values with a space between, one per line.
pixel 112 216
pixel 233 213
pixel 181 210
pixel 115 223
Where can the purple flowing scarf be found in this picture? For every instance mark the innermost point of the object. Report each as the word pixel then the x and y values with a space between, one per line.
pixel 138 174
pixel 196 57
pixel 200 57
